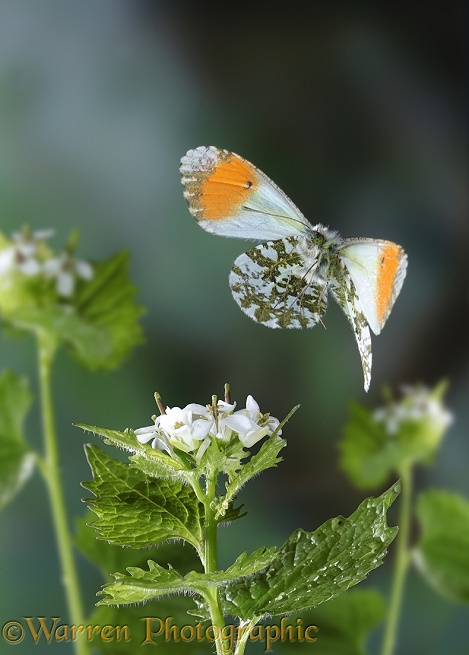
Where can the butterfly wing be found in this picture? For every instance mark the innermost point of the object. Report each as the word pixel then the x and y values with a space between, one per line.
pixel 274 283
pixel 269 284
pixel 342 288
pixel 229 196
pixel 378 269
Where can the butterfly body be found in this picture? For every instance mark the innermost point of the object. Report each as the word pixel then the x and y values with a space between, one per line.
pixel 284 281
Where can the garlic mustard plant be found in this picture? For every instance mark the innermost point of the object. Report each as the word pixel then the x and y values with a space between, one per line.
pixel 185 473
pixel 63 302
pixel 392 440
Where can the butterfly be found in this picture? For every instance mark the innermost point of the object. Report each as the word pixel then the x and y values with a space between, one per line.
pixel 284 281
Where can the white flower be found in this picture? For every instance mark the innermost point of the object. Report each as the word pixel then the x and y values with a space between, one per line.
pixel 151 433
pixel 32 237
pixel 249 423
pixel 22 254
pixel 182 428
pixel 191 429
pixel 65 269
pixel 391 416
pixel 187 427
pixel 426 405
pixel 418 404
pixel 219 430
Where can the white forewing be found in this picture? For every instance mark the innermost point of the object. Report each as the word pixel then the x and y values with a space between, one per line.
pixel 230 197
pixel 269 214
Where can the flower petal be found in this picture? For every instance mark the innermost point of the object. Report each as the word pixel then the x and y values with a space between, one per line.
pixel 200 428
pixel 65 284
pixel 252 406
pixel 239 423
pixel 225 408
pixel 7 260
pixel 83 269
pixel 200 410
pixel 253 437
pixel 145 438
pixel 145 430
pixel 273 424
pixel 52 267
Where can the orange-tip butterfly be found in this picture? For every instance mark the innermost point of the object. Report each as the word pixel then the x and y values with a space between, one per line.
pixel 283 282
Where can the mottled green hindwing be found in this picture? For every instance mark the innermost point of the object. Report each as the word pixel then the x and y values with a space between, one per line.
pixel 343 290
pixel 270 284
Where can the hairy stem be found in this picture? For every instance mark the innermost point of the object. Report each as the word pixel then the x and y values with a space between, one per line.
pixel 213 599
pixel 51 472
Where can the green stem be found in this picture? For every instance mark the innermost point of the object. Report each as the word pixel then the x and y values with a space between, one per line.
pixel 51 472
pixel 401 564
pixel 218 621
pixel 194 482
pixel 210 529
pixel 213 598
pixel 245 632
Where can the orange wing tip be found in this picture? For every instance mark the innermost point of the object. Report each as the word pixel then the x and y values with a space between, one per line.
pixel 217 182
pixel 393 267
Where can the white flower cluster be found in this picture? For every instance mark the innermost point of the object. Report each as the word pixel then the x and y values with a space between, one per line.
pixel 191 429
pixel 23 256
pixel 417 404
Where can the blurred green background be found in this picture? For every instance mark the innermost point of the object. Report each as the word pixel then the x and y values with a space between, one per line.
pixel 358 111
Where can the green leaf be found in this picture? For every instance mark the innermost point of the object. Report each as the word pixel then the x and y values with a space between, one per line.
pixel 159 465
pixel 16 458
pixel 344 624
pixel 125 440
pixel 249 564
pixel 4 242
pixel 141 586
pixel 109 557
pixel 265 458
pixel 233 513
pixel 262 460
pixel 314 567
pixel 367 456
pixel 144 585
pixel 221 457
pixel 100 325
pixel 85 339
pixel 371 452
pixel 134 510
pixel 108 303
pixel 135 621
pixel 442 554
pixel 151 461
